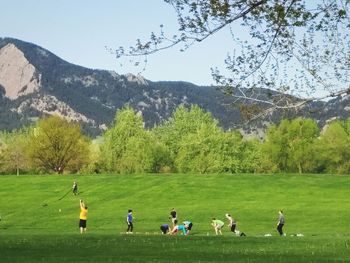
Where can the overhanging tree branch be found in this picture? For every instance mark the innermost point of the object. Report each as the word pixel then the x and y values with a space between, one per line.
pixel 278 30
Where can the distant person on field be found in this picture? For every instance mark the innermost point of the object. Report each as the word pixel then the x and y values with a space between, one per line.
pixel 83 216
pixel 177 228
pixel 129 220
pixel 280 223
pixel 233 225
pixel 165 228
pixel 188 225
pixel 218 225
pixel 75 188
pixel 173 216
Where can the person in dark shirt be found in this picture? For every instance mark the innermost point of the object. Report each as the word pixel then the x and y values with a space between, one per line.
pixel 173 216
pixel 280 223
pixel 232 225
pixel 75 188
pixel 129 219
pixel 165 228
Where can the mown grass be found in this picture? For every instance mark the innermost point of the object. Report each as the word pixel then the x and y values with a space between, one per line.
pixel 32 229
pixel 141 248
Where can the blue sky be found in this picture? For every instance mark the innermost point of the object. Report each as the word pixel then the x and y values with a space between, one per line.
pixel 79 30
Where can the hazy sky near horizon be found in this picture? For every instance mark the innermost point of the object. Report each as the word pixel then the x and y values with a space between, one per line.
pixel 79 30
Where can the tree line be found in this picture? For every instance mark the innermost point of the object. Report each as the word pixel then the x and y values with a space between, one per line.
pixel 190 141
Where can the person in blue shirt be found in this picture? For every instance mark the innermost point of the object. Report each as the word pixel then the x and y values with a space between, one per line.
pixel 129 220
pixel 188 224
pixel 177 228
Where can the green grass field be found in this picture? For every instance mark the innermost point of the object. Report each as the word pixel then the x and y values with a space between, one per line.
pixel 38 227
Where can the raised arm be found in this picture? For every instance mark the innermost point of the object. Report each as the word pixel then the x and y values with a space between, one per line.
pixel 82 205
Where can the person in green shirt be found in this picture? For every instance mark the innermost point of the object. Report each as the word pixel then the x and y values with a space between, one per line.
pixel 218 225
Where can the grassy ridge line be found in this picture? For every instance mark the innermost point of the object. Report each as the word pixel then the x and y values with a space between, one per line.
pixel 314 204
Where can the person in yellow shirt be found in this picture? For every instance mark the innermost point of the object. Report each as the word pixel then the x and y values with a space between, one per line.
pixel 83 216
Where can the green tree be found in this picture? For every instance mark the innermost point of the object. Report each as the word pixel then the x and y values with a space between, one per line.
pixel 58 145
pixel 182 123
pixel 14 151
pixel 128 147
pixel 198 150
pixel 230 151
pixel 301 136
pixel 274 149
pixel 128 124
pixel 251 156
pixel 333 148
pixel 138 155
pixel 210 150
pixel 289 146
pixel 197 144
pixel 94 163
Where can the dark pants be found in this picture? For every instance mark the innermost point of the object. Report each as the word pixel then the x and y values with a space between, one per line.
pixel 279 229
pixel 130 227
pixel 233 228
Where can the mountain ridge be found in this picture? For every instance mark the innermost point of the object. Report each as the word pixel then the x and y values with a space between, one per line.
pixel 92 96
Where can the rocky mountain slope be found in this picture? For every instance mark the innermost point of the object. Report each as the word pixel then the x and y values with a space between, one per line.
pixel 34 82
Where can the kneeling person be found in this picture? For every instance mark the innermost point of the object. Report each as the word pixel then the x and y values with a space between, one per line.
pixel 165 228
pixel 178 228
pixel 188 225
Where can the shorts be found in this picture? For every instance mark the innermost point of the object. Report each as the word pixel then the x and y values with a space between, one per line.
pixel 190 226
pixel 82 223
pixel 219 226
pixel 173 219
